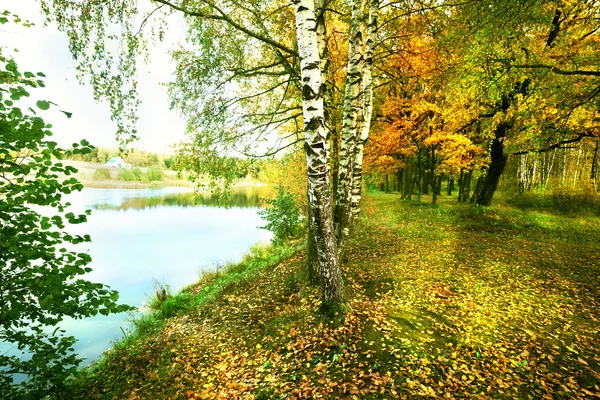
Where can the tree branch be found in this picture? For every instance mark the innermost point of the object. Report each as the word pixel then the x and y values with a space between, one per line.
pixel 226 18
pixel 556 145
pixel 557 70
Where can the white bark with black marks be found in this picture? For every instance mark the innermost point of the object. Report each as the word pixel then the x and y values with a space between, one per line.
pixel 317 158
pixel 352 94
pixel 367 110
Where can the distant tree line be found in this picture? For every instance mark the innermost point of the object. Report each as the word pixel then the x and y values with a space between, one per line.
pixel 138 158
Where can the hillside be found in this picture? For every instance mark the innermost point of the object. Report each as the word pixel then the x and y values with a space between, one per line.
pixel 449 301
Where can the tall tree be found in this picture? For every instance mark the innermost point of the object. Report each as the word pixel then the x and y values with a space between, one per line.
pixel 357 113
pixel 349 122
pixel 316 155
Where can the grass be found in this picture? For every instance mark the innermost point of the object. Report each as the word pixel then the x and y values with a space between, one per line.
pixel 445 301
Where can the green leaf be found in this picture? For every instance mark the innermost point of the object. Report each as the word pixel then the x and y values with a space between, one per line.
pixel 42 105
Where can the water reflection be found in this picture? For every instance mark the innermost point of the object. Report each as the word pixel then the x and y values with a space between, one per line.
pixel 122 200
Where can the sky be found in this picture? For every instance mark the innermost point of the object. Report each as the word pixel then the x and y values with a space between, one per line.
pixel 45 49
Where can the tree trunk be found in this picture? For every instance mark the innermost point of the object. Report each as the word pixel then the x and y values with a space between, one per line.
pixel 433 179
pixel 478 187
pixel 432 174
pixel 343 207
pixel 419 175
pixel 317 157
pixel 467 192
pixel 407 180
pixel 465 187
pixel 550 169
pixel 367 107
pixel 461 180
pixel 499 158
pixel 434 194
pixel 564 174
pixel 534 170
pixel 522 173
pixel 335 139
pixel 594 170
pixel 312 258
pixel 450 187
pixel 576 173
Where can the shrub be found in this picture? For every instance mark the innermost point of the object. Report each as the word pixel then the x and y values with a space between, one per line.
pixel 154 174
pixel 569 199
pixel 101 174
pixel 283 217
pixel 126 175
pixel 138 174
pixel 170 162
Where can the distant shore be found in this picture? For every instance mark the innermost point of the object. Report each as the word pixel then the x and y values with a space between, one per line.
pixel 117 184
pixel 170 178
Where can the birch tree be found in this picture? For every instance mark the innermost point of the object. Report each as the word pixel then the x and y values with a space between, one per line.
pixel 357 114
pixel 349 121
pixel 317 157
pixel 367 108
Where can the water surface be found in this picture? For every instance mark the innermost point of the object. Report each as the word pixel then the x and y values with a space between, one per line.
pixel 144 236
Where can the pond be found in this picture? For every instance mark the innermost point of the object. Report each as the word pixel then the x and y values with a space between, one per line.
pixel 149 236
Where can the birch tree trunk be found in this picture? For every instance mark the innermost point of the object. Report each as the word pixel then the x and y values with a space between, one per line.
pixel 367 88
pixel 312 259
pixel 349 124
pixel 319 199
pixel 550 169
pixel 312 254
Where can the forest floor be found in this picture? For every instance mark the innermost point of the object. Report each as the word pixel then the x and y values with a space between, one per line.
pixel 446 301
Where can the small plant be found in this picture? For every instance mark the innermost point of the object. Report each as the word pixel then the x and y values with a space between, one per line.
pixel 161 295
pixel 101 174
pixel 138 174
pixel 154 174
pixel 126 175
pixel 282 217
